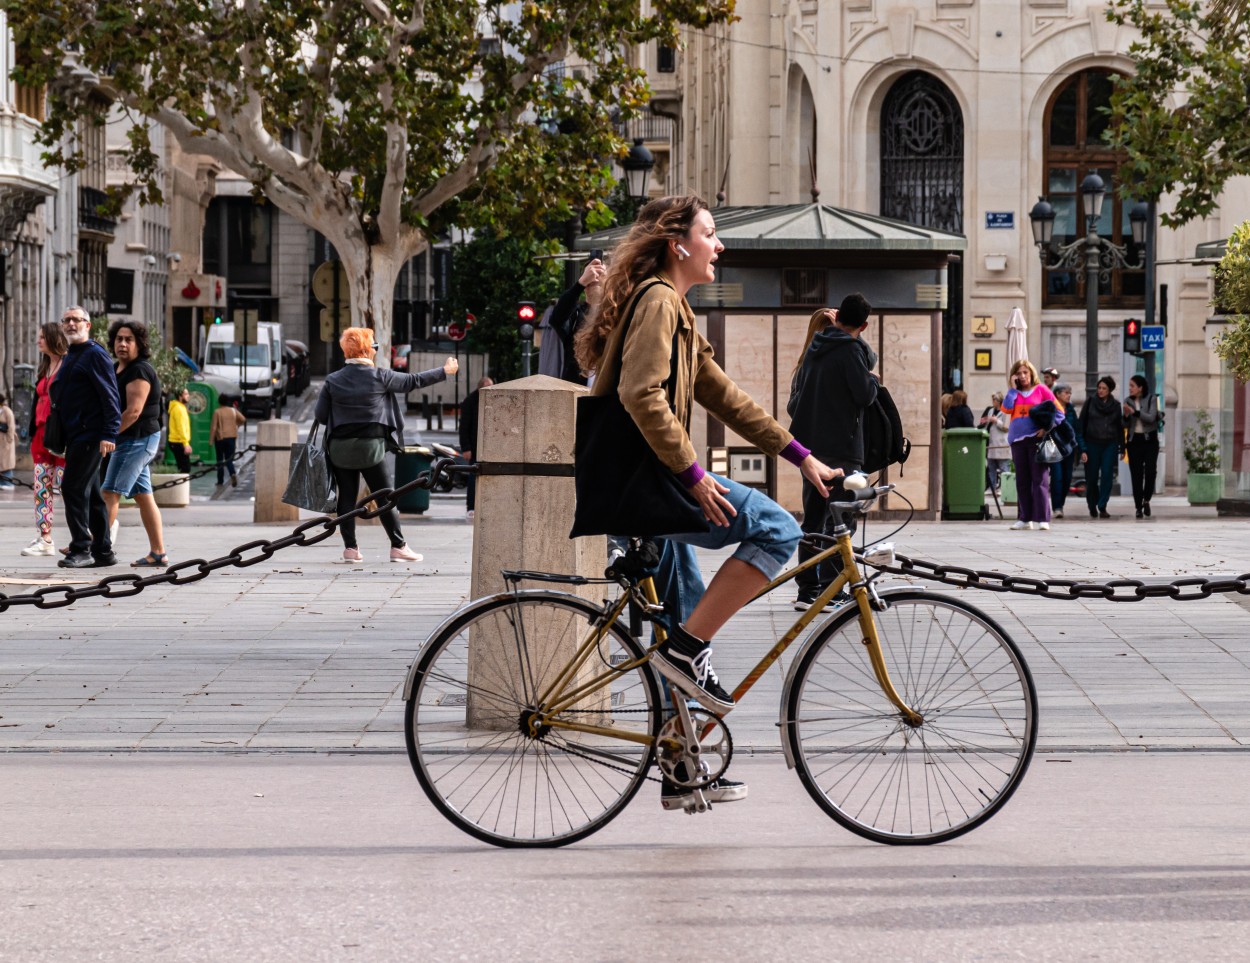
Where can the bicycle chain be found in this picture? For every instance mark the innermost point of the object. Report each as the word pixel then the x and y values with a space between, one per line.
pixel 601 762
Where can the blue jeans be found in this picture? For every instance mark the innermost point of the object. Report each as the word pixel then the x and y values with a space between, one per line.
pixel 766 535
pixel 127 473
pixel 1100 472
pixel 1060 482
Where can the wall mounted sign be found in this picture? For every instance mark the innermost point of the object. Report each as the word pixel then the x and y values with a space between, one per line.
pixel 983 326
pixel 983 359
pixel 1000 220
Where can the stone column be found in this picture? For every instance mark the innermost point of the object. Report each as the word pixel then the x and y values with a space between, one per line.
pixel 272 470
pixel 524 511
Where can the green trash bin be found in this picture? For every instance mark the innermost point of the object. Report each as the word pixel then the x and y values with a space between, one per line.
pixel 963 473
pixel 410 463
pixel 1007 487
pixel 200 407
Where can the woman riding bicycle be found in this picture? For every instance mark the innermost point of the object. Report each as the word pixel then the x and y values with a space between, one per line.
pixel 674 241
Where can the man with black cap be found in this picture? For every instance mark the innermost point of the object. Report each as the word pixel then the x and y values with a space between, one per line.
pixel 833 387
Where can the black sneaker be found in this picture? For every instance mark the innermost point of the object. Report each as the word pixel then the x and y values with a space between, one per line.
pixel 674 797
pixel 805 600
pixel 687 663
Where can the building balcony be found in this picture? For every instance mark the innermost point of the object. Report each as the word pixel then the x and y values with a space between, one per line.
pixel 89 218
pixel 24 180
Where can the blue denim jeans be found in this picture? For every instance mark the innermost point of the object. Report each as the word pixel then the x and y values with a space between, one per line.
pixel 765 533
pixel 128 472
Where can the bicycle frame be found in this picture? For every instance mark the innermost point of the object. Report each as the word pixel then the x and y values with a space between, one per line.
pixel 849 576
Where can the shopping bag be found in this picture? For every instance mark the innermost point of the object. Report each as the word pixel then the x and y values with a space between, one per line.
pixel 310 484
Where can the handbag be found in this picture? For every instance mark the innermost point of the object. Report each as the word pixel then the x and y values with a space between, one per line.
pixel 622 487
pixel 309 484
pixel 1048 452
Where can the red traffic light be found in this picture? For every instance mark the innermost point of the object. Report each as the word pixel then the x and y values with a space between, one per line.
pixel 1130 327
pixel 525 312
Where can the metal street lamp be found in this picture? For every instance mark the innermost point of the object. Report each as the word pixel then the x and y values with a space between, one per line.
pixel 1100 256
pixel 637 165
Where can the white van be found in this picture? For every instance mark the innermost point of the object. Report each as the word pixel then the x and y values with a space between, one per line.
pixel 260 377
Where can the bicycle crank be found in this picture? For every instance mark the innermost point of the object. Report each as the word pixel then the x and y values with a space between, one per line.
pixel 694 748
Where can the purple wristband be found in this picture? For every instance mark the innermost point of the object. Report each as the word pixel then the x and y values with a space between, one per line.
pixel 795 453
pixel 689 477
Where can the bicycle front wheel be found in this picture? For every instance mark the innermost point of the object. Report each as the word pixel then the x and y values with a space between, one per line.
pixel 472 698
pixel 877 775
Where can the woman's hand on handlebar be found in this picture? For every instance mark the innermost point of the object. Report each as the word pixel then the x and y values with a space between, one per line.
pixel 710 494
pixel 817 472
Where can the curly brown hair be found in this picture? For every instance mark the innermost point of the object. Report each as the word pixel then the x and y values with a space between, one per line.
pixel 635 259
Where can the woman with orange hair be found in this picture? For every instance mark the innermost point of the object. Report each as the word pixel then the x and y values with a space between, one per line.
pixel 359 405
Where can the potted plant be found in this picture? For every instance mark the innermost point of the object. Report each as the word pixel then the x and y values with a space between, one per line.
pixel 1202 455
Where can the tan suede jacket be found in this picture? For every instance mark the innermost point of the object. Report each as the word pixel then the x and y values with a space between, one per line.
pixel 645 368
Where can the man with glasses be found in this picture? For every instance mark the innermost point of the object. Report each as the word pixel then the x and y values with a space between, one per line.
pixel 86 397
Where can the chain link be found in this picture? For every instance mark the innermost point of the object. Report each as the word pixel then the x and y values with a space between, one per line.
pixel 1186 589
pixel 260 550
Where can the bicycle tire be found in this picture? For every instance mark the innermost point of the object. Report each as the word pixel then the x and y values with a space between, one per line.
pixel 466 740
pixel 872 772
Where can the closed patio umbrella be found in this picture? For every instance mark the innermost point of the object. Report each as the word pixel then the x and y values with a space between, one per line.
pixel 1017 338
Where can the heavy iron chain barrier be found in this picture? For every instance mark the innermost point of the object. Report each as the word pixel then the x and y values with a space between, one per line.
pixel 203 468
pixel 1185 589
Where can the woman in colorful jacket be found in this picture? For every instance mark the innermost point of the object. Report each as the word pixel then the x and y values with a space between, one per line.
pixel 1032 477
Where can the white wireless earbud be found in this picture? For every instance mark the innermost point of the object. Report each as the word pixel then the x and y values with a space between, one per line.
pixel 682 253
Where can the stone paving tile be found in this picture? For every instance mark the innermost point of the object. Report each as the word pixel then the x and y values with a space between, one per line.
pixel 301 643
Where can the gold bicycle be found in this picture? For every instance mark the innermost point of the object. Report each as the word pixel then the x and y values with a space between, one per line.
pixel 533 716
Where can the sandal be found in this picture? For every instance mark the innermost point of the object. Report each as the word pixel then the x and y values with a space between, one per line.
pixel 152 560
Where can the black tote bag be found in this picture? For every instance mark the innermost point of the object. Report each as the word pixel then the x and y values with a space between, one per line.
pixel 310 484
pixel 622 487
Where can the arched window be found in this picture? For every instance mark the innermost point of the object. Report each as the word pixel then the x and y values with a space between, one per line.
pixel 1075 120
pixel 922 182
pixel 922 154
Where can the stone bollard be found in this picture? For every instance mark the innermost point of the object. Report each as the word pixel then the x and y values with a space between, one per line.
pixel 524 511
pixel 273 467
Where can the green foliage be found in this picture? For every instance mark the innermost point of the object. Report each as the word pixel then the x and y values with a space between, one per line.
pixel 1181 118
pixel 173 374
pixel 489 275
pixel 1232 286
pixel 1202 448
pixel 378 122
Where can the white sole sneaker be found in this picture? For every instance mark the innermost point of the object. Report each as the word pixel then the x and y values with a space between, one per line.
pixel 39 548
pixel 1022 527
pixel 718 792
pixel 1043 526
pixel 681 679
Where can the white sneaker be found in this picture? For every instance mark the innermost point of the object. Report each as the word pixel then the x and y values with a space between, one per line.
pixel 1022 527
pixel 1043 526
pixel 39 547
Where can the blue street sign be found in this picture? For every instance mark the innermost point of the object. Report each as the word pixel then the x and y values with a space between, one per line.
pixel 1000 220
pixel 1152 337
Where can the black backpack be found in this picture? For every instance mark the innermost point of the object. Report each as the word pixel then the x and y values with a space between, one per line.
pixel 884 442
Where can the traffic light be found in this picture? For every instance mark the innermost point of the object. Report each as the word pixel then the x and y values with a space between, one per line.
pixel 216 315
pixel 1132 335
pixel 525 312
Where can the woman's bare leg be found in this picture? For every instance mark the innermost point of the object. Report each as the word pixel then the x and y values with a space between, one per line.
pixel 151 517
pixel 734 586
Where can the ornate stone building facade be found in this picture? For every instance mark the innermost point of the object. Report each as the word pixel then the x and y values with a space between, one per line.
pixel 954 115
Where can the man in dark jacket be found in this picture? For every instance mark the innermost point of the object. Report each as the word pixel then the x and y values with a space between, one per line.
pixel 832 389
pixel 570 312
pixel 468 438
pixel 87 400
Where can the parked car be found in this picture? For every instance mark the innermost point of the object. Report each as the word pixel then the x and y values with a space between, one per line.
pixel 399 356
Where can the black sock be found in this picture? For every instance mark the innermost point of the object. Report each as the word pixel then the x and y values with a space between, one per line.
pixel 685 643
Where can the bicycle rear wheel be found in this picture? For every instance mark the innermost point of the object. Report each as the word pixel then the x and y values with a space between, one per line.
pixel 474 686
pixel 878 776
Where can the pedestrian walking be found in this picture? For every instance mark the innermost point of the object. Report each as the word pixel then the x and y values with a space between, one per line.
pixel 671 247
pixel 138 439
pixel 1141 424
pixel 1061 471
pixel 833 386
pixel 48 467
pixel 8 444
pixel 1102 431
pixel 223 433
pixel 468 440
pixel 359 405
pixel 1032 477
pixel 998 451
pixel 1050 377
pixel 180 430
pixel 86 399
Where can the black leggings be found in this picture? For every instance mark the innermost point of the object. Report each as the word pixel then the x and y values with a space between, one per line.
pixel 347 480
pixel 1143 464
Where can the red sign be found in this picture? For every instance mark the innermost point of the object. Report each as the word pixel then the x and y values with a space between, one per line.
pixel 456 331
pixel 191 292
